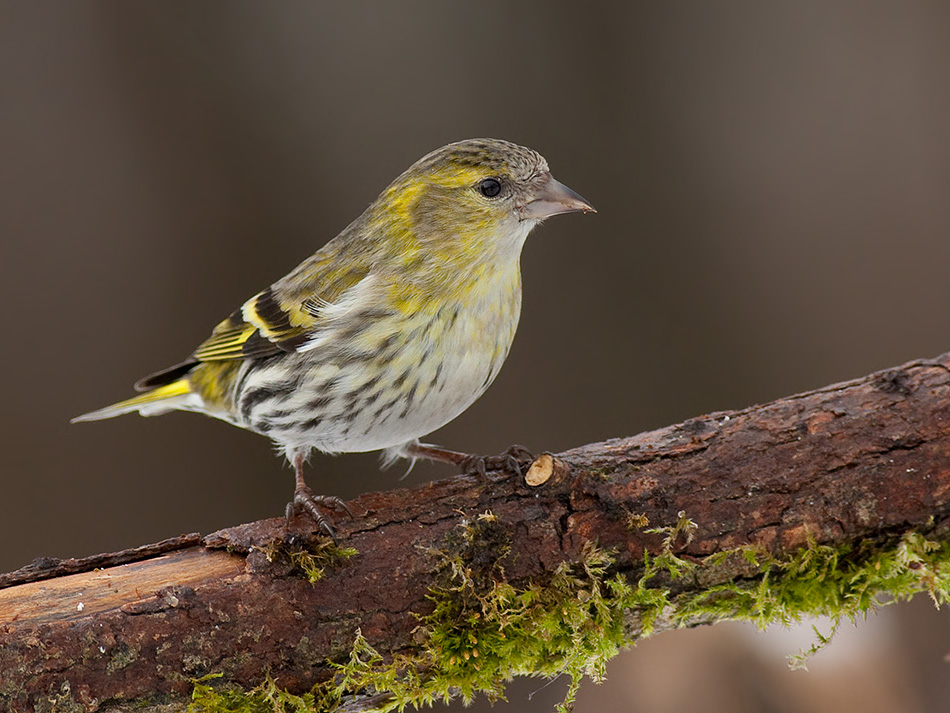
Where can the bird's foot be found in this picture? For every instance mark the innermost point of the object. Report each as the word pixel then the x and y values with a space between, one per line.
pixel 307 502
pixel 514 460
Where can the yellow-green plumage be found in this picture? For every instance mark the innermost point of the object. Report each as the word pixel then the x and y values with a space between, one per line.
pixel 391 329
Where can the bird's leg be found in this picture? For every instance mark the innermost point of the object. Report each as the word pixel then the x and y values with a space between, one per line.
pixel 514 459
pixel 305 500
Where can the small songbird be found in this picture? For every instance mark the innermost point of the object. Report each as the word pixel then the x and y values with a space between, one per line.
pixel 389 331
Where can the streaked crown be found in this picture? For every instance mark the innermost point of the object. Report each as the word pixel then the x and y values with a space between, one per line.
pixel 485 155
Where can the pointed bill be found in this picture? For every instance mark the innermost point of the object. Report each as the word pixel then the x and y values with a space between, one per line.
pixel 553 198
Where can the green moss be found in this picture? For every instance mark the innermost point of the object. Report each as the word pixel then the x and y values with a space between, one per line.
pixel 308 558
pixel 842 583
pixel 483 631
pixel 476 641
pixel 266 698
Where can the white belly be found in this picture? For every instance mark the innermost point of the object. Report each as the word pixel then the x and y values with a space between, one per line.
pixel 434 369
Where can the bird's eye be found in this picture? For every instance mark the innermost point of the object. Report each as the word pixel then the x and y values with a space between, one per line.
pixel 489 187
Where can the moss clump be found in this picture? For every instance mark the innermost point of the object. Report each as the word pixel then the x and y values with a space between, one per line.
pixel 475 642
pixel 483 631
pixel 266 698
pixel 842 583
pixel 310 558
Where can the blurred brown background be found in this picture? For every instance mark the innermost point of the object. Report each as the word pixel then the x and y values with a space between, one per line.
pixel 772 181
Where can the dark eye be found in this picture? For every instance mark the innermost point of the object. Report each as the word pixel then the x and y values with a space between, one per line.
pixel 489 187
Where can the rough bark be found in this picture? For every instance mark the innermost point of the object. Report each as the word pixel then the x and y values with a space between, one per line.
pixel 867 459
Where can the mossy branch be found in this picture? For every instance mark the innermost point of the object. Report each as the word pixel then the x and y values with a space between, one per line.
pixel 830 502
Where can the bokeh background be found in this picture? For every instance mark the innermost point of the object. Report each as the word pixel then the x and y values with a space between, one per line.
pixel 772 185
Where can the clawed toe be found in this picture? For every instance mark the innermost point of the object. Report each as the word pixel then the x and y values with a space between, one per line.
pixel 305 501
pixel 513 466
pixel 513 460
pixel 520 453
pixel 478 465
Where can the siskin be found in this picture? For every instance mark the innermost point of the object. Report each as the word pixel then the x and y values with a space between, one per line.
pixel 388 332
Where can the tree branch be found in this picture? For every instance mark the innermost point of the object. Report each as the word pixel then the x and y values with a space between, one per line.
pixel 855 466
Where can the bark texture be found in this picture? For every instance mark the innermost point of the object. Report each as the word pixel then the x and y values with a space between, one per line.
pixel 863 460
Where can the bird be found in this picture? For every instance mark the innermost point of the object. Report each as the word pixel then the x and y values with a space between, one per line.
pixel 389 331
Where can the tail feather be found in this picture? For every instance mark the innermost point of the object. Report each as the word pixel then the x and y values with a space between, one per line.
pixel 166 376
pixel 176 395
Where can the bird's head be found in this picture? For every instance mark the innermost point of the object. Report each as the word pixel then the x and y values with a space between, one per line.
pixel 478 191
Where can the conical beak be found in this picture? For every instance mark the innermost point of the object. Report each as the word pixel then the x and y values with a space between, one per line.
pixel 553 198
